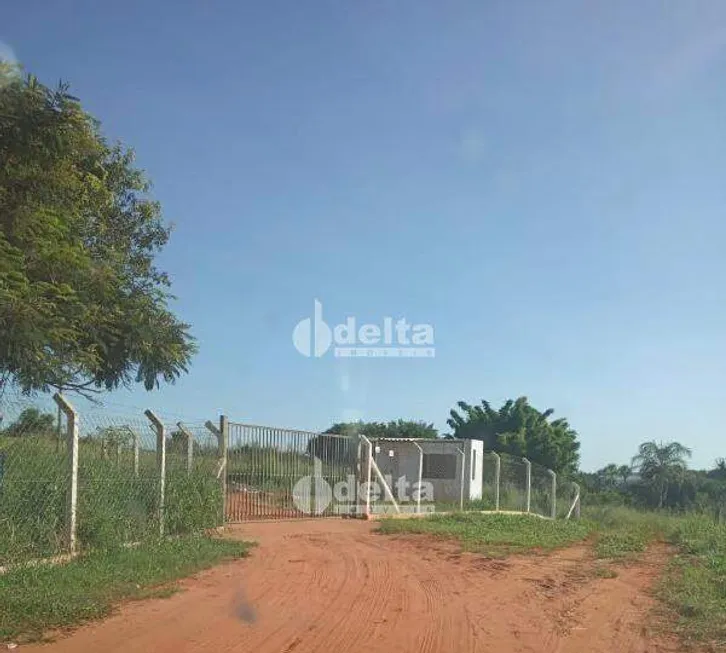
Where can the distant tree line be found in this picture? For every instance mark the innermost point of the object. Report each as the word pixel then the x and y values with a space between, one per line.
pixel 658 477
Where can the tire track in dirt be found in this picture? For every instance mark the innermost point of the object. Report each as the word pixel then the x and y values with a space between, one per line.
pixel 333 585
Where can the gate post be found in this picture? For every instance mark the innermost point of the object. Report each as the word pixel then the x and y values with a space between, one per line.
pixel 222 435
pixel 223 443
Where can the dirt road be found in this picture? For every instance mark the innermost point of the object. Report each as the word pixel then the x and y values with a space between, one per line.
pixel 333 586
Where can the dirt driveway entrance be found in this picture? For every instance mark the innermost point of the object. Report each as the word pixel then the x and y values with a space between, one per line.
pixel 334 586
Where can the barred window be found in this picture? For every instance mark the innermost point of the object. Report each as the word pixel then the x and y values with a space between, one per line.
pixel 439 465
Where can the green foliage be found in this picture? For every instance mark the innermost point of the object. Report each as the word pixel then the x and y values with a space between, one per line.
pixel 394 429
pixel 37 599
pixel 32 498
pixel 493 534
pixel 520 430
pixel 82 304
pixel 661 465
pixel 115 507
pixel 31 422
pixel 695 584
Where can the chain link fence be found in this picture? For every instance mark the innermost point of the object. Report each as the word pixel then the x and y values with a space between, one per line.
pixel 514 484
pixel 34 475
pixel 134 479
pixel 71 482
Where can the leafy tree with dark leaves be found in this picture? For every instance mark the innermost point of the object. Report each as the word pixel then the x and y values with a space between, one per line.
pixel 31 422
pixel 83 306
pixel 519 429
pixel 718 472
pixel 394 429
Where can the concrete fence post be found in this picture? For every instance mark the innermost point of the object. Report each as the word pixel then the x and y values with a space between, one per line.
pixel 575 507
pixel 190 446
pixel 497 479
pixel 222 435
pixel 72 422
pixel 553 509
pixel 528 481
pixel 223 445
pixel 135 444
pixel 160 463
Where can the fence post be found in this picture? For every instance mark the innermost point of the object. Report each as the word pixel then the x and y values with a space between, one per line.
pixel 223 443
pixel 575 507
pixel 529 484
pixel 135 437
pixel 160 462
pixel 553 512
pixel 463 478
pixel 190 446
pixel 72 490
pixel 222 435
pixel 497 479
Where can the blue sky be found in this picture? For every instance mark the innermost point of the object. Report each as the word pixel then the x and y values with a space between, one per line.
pixel 542 182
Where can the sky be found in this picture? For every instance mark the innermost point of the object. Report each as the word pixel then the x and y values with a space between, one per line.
pixel 542 183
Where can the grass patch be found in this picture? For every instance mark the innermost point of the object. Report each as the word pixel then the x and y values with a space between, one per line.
pixel 35 600
pixel 694 585
pixel 623 533
pixel 493 534
pixel 620 544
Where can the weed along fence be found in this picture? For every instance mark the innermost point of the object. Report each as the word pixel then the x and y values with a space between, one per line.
pixel 71 482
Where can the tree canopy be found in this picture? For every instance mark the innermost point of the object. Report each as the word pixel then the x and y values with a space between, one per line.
pixel 82 304
pixel 31 422
pixel 519 429
pixel 660 465
pixel 394 429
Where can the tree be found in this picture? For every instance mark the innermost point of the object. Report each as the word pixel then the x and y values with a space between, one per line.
pixel 608 477
pixel 625 472
pixel 519 429
pixel 82 305
pixel 719 472
pixel 31 422
pixel 330 447
pixel 394 429
pixel 660 466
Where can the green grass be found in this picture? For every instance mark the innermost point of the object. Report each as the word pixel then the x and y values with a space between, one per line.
pixel 694 585
pixel 493 534
pixel 115 506
pixel 623 533
pixel 36 600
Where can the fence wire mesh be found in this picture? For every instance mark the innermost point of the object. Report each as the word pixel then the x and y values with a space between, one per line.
pixel 128 492
pixel 119 480
pixel 34 475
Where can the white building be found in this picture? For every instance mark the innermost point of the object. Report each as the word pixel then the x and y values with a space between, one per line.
pixel 453 468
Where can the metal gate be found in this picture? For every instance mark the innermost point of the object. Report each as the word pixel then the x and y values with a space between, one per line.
pixel 277 473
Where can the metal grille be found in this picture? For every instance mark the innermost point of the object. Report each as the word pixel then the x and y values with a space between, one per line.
pixel 277 473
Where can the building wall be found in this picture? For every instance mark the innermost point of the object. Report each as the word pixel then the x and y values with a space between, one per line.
pixel 406 460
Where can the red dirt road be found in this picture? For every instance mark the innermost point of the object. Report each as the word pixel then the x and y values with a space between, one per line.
pixel 333 586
